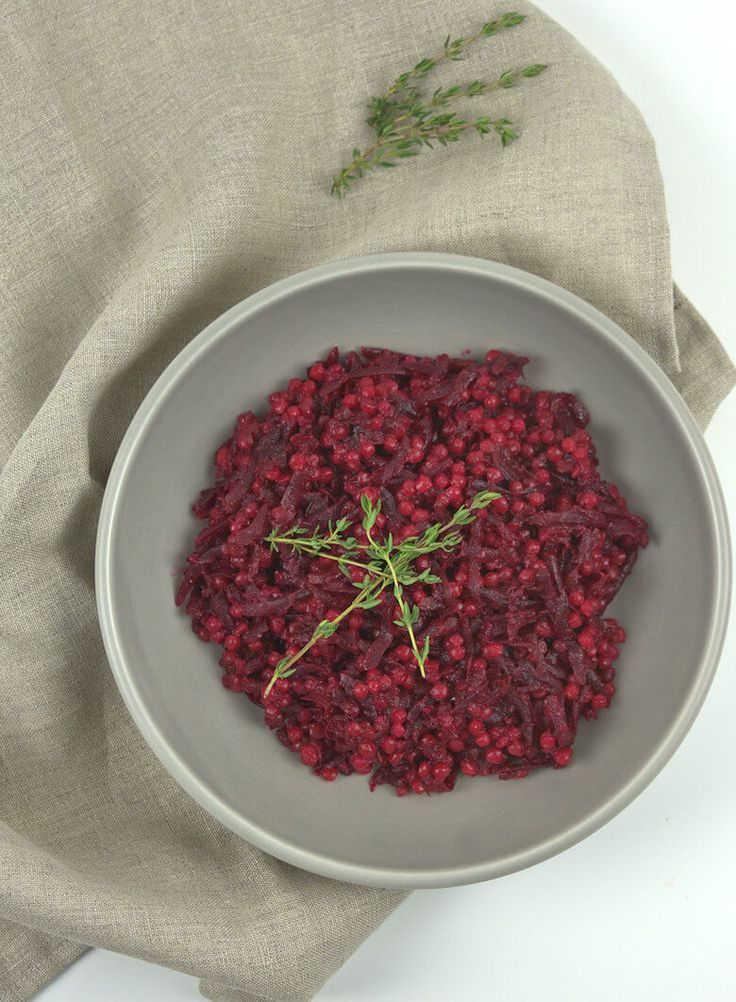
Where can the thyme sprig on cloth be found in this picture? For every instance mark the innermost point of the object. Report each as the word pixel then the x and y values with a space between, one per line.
pixel 406 120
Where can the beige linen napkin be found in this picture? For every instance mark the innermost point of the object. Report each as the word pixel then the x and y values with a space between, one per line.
pixel 159 161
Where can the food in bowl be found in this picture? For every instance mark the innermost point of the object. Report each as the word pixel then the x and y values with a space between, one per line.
pixel 485 662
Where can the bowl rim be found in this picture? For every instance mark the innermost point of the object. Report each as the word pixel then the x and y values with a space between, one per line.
pixel 278 846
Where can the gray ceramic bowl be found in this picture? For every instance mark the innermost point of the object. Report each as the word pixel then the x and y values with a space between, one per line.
pixel 215 744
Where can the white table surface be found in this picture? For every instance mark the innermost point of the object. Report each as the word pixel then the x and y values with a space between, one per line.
pixel 645 909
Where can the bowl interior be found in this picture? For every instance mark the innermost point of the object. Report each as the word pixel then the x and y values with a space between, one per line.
pixel 215 742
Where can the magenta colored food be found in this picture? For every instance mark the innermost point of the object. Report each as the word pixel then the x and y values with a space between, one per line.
pixel 519 646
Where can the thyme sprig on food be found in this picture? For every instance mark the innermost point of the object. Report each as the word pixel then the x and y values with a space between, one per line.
pixel 318 544
pixel 388 564
pixel 406 121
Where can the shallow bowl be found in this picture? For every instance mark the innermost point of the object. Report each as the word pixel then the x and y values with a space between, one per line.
pixel 215 744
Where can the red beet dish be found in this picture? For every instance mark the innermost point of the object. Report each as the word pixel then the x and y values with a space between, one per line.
pixel 486 653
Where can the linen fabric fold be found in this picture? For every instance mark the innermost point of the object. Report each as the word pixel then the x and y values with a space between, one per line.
pixel 160 162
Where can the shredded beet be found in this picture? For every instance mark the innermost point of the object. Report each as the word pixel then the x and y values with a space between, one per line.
pixel 519 648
